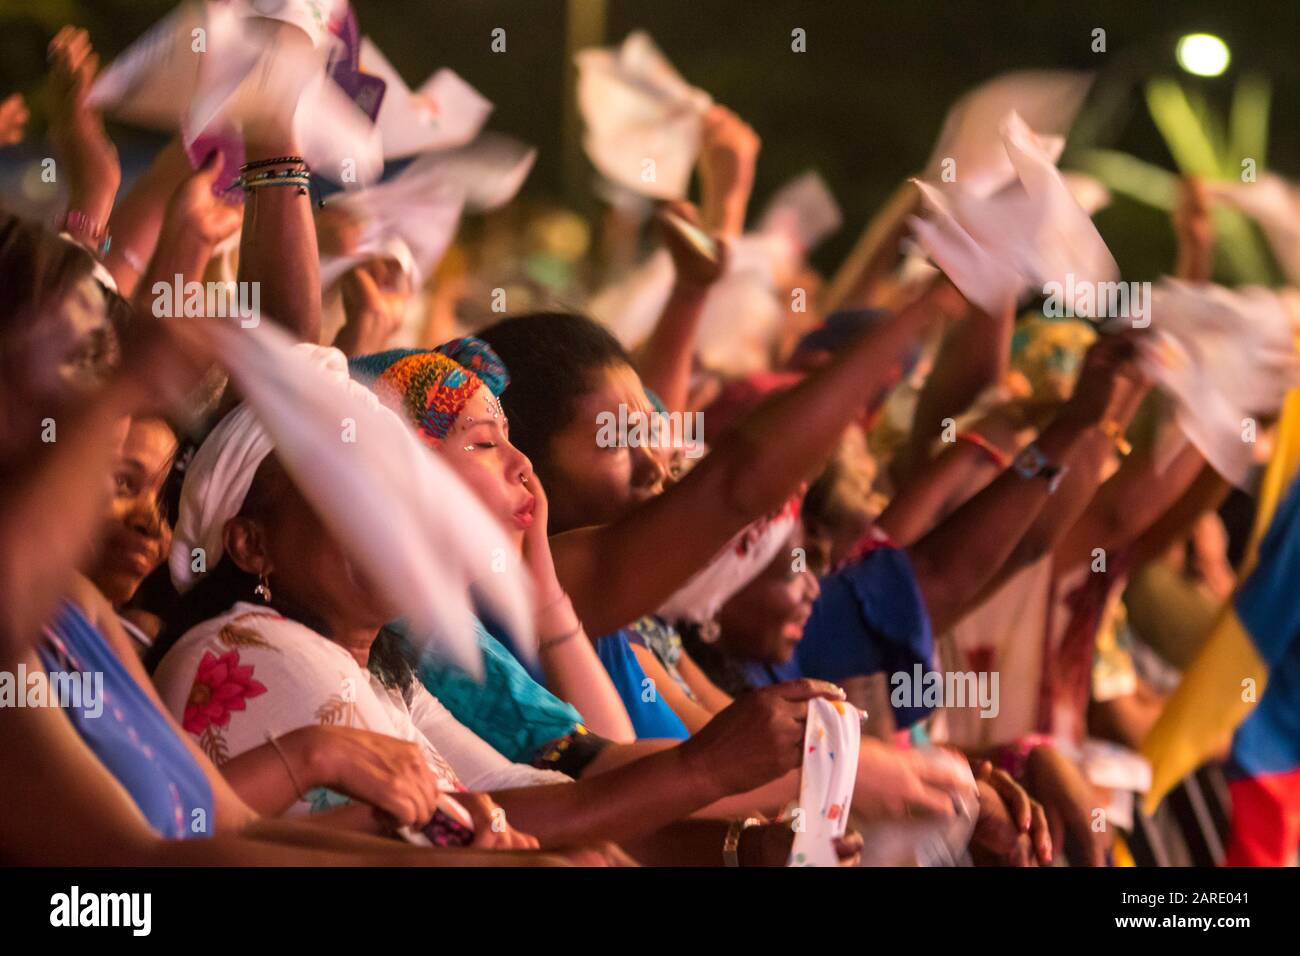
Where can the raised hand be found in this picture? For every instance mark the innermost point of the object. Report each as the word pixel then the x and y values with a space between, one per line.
pixel 76 130
pixel 13 119
pixel 196 209
pixel 1111 384
pixel 727 159
pixel 760 736
pixel 693 266
pixel 372 317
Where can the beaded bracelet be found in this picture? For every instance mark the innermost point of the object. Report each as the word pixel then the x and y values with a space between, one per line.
pixel 259 179
pixel 278 160
pixel 295 178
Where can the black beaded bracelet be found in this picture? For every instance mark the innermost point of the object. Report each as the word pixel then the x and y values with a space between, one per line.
pixel 260 163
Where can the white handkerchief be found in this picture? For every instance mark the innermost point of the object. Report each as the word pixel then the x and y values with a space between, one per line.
pixel 1030 233
pixel 643 121
pixel 1225 357
pixel 804 209
pixel 832 737
pixel 1047 99
pixel 200 68
pixel 421 206
pixel 153 79
pixel 337 139
pixel 743 559
pixel 445 112
pixel 313 17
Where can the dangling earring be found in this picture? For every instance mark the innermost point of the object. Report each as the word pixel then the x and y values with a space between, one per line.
pixel 263 589
pixel 523 478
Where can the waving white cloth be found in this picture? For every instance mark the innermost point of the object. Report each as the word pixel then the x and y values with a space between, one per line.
pixel 413 217
pixel 643 121
pixel 969 144
pixel 741 313
pixel 414 529
pixel 832 737
pixel 1224 356
pixel 202 83
pixel 445 112
pixel 1274 203
pixel 742 310
pixel 1033 232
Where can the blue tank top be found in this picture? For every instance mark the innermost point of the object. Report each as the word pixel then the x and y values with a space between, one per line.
pixel 651 718
pixel 127 732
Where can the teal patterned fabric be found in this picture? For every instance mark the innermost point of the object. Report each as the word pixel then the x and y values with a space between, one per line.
pixel 509 710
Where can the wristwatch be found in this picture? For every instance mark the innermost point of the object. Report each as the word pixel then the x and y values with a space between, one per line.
pixel 1032 463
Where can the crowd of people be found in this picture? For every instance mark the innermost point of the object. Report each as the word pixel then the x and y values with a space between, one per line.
pixel 973 532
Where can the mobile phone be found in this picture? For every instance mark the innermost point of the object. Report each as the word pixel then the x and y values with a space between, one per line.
pixel 451 824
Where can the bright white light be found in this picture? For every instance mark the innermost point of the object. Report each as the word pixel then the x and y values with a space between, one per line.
pixel 1203 54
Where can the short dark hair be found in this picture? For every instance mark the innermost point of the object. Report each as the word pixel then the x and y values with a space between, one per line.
pixel 551 356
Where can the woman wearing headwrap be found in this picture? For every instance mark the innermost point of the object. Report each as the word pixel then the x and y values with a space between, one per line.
pixel 451 395
pixel 454 410
pixel 299 647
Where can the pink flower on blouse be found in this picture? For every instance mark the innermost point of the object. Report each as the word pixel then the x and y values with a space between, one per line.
pixel 220 687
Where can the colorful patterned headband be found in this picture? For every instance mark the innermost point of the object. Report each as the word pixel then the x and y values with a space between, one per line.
pixel 432 387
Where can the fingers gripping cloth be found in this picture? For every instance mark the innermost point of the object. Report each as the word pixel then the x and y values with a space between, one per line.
pixel 830 768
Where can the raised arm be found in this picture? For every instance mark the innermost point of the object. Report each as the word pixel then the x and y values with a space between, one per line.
pixel 665 359
pixel 975 354
pixel 88 156
pixel 955 561
pixel 752 471
pixel 277 249
pixel 727 161
pixel 137 221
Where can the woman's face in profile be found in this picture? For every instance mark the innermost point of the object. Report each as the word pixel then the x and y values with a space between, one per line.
pixel 594 481
pixel 478 449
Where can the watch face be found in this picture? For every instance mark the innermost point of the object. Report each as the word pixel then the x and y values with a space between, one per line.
pixel 1030 462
